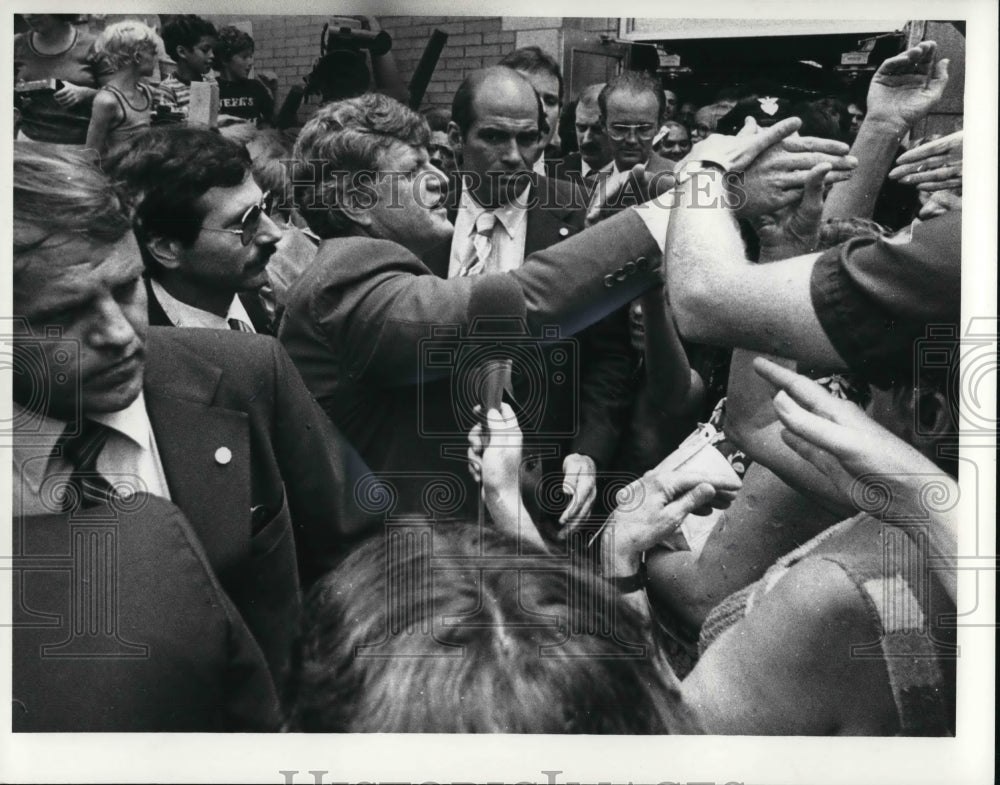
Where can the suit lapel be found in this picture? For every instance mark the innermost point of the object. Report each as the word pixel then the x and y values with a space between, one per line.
pixel 204 449
pixel 548 222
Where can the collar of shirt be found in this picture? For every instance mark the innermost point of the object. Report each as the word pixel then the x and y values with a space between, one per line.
pixel 585 168
pixel 539 167
pixel 183 315
pixel 510 216
pixel 31 447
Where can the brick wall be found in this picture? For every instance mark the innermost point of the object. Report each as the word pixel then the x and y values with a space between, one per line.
pixel 288 45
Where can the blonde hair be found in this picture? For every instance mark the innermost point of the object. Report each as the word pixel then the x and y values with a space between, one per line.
pixel 59 191
pixel 120 42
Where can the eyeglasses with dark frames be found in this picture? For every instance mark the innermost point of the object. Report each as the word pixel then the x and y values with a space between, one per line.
pixel 249 222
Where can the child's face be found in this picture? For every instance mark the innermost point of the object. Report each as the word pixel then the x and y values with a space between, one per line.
pixel 146 61
pixel 239 65
pixel 199 57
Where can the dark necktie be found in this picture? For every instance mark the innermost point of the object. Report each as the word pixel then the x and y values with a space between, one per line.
pixel 86 486
pixel 239 325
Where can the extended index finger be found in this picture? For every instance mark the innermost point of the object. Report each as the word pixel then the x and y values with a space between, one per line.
pixel 771 136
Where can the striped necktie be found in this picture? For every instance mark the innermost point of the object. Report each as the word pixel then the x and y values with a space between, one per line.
pixel 482 244
pixel 86 486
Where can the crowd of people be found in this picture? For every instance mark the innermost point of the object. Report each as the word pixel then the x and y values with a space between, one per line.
pixel 476 420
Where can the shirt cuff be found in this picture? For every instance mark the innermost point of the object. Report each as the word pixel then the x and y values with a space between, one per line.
pixel 655 214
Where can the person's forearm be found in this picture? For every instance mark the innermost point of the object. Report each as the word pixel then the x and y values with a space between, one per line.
pixel 765 521
pixel 719 298
pixel 668 372
pixel 875 148
pixel 508 512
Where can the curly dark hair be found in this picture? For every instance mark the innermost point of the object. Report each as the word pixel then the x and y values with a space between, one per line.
pixel 230 42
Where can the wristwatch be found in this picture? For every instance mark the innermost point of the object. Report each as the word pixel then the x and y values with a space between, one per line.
pixel 632 583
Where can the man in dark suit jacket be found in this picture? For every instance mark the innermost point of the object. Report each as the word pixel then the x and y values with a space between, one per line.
pixel 384 345
pixel 595 152
pixel 494 109
pixel 120 625
pixel 203 228
pixel 217 421
pixel 632 108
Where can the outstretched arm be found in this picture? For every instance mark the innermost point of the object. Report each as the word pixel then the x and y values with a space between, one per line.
pixel 904 89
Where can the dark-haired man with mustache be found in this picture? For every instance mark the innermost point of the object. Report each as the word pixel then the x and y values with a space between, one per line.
pixel 203 228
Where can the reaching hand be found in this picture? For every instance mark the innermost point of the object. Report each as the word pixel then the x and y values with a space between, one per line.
pixel 862 463
pixel 579 483
pixel 654 512
pixel 736 153
pixel 907 86
pixel 776 178
pixel 933 166
pixel 607 198
pixel 794 230
pixel 497 465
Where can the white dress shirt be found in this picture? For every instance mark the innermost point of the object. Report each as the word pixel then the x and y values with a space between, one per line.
pixel 129 458
pixel 181 314
pixel 508 237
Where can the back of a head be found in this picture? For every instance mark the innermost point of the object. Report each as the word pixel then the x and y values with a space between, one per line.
pixel 61 191
pixel 342 139
pixel 635 83
pixel 185 30
pixel 384 646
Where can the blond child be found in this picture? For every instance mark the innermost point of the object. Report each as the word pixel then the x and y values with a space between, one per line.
pixel 123 107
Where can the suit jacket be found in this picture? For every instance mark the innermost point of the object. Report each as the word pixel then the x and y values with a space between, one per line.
pixel 383 343
pixel 171 652
pixel 262 475
pixel 601 398
pixel 251 302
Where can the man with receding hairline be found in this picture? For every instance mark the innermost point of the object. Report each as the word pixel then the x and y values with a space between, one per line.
pixel 495 129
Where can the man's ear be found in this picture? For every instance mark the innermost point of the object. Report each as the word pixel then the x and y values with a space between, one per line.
pixel 355 205
pixel 165 251
pixel 182 52
pixel 455 138
pixel 933 413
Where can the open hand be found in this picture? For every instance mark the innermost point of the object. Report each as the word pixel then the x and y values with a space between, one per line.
pixel 906 87
pixel 933 166
pixel 863 465
pixel 795 229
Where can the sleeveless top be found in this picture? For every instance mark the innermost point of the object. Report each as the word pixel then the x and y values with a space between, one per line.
pixel 135 118
pixel 903 602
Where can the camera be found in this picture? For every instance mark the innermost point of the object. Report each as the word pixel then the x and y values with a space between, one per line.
pixel 37 87
pixel 960 367
pixel 544 373
pixel 44 368
pixel 345 34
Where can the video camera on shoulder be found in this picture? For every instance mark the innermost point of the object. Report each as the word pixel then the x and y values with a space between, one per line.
pixel 346 33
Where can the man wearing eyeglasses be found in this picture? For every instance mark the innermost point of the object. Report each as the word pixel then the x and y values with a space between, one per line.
pixel 203 229
pixel 632 108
